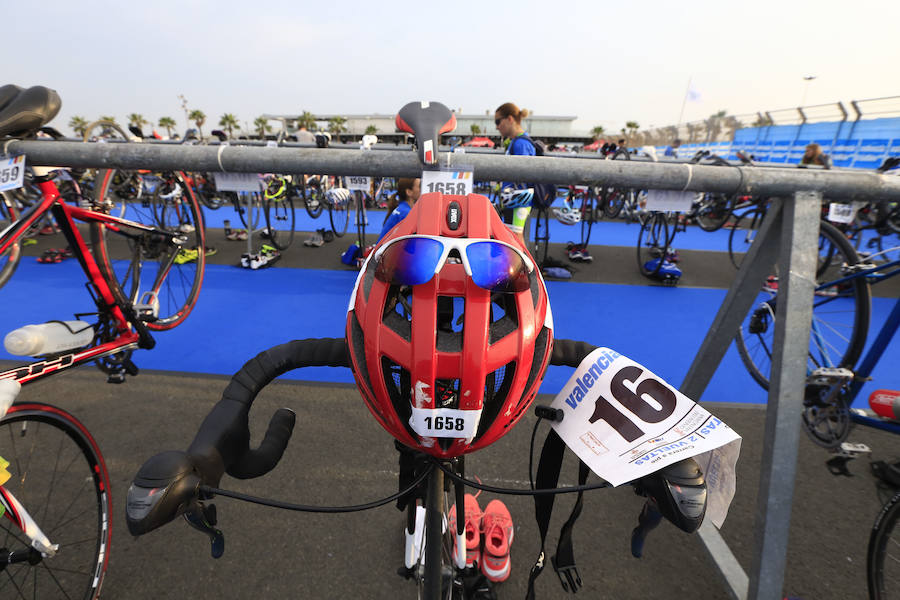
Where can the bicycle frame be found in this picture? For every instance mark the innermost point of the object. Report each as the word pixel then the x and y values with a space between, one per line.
pixel 130 331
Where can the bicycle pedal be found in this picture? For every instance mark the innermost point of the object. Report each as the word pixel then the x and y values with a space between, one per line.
pixel 829 376
pixel 147 309
pixel 116 377
pixel 853 450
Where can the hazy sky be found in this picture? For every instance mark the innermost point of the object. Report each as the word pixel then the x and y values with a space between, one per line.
pixel 604 62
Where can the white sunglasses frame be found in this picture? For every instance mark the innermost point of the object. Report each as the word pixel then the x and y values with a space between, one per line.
pixel 459 244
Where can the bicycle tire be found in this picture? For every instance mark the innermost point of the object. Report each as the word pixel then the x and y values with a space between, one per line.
pixel 652 245
pixel 178 273
pixel 840 321
pixel 242 207
pixel 612 201
pixel 741 236
pixel 280 221
pixel 884 540
pixel 339 215
pixel 587 216
pixel 541 235
pixel 59 456
pixel 713 211
pixel 439 579
pixel 10 259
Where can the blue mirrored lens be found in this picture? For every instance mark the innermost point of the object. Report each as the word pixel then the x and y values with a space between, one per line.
pixel 497 267
pixel 409 262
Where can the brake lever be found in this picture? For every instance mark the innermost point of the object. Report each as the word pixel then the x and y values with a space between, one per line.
pixel 647 522
pixel 203 518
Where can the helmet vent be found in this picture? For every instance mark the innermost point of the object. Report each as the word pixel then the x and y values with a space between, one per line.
pixel 398 311
pixel 504 316
pixel 496 388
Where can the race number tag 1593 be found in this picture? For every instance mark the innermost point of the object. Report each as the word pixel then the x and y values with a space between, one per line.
pixel 358 183
pixel 457 182
pixel 841 213
pixel 12 172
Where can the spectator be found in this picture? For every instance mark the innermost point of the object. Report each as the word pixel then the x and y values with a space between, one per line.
pixel 815 156
pixel 672 149
pixel 304 136
pixel 508 119
pixel 408 191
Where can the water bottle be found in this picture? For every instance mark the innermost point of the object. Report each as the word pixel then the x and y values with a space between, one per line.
pixel 227 227
pixel 48 338
pixel 886 404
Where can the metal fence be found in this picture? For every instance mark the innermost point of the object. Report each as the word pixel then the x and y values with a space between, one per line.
pixel 787 236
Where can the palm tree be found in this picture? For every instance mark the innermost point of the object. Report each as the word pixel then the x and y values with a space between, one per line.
pixel 714 125
pixel 336 125
pixel 137 120
pixel 229 122
pixel 632 127
pixel 475 129
pixel 597 132
pixel 371 130
pixel 168 123
pixel 308 120
pixel 78 125
pixel 106 130
pixel 262 126
pixel 199 118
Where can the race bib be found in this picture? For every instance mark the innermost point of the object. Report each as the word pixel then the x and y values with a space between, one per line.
pixel 842 213
pixel 444 422
pixel 624 422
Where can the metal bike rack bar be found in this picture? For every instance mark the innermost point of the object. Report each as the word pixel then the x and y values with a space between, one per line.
pixel 791 224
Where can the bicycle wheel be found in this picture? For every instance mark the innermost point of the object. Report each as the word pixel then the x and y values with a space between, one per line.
pixel 587 216
pixel 437 573
pixel 9 260
pixel 136 265
pixel 713 210
pixel 248 209
pixel 840 319
pixel 541 235
pixel 313 198
pixel 612 200
pixel 651 246
pixel 339 215
pixel 883 555
pixel 742 235
pixel 280 220
pixel 59 476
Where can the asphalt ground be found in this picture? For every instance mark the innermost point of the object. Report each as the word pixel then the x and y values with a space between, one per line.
pixel 340 456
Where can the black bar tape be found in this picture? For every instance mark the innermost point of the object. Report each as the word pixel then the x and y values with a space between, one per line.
pixel 222 442
pixel 570 353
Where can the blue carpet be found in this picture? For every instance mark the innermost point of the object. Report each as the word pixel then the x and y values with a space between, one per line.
pixel 241 313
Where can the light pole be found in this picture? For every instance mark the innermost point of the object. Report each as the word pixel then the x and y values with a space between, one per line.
pixel 807 79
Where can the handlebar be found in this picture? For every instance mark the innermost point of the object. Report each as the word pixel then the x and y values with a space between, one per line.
pixel 169 484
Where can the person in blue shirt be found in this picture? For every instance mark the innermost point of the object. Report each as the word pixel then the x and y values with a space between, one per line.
pixel 508 119
pixel 408 191
pixel 672 150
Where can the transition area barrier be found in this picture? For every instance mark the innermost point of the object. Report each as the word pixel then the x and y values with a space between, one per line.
pixel 788 236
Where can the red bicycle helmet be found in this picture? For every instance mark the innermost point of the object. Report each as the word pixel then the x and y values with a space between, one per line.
pixel 445 366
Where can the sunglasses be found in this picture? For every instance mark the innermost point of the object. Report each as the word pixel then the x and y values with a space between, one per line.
pixel 415 259
pixel 497 121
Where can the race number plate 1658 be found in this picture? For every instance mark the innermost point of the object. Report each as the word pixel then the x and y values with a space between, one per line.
pixel 624 422
pixel 12 172
pixel 457 182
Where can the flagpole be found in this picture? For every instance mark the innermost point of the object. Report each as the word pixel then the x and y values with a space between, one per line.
pixel 684 102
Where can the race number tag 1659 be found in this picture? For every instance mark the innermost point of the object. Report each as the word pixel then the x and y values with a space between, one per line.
pixel 358 183
pixel 12 172
pixel 457 182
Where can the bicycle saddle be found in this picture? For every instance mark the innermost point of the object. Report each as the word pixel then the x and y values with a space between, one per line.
pixel 24 111
pixel 427 121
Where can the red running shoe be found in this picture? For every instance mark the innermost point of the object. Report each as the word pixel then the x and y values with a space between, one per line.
pixel 473 529
pixel 497 526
